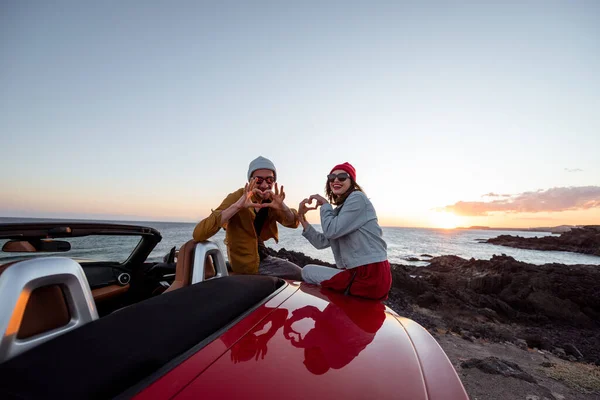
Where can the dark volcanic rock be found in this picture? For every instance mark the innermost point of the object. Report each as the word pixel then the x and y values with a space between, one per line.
pixel 546 305
pixel 427 300
pixel 579 240
pixel 559 293
pixel 571 350
pixel 537 341
pixel 297 258
pixel 494 365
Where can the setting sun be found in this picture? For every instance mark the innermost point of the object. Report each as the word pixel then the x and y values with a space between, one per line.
pixel 445 220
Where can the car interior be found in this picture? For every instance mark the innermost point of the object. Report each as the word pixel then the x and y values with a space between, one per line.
pixel 114 284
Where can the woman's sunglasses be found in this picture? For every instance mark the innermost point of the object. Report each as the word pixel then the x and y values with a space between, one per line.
pixel 268 179
pixel 341 177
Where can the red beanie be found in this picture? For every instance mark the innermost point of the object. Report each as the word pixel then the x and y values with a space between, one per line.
pixel 346 167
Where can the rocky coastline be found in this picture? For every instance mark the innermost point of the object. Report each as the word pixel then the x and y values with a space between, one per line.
pixel 584 240
pixel 550 310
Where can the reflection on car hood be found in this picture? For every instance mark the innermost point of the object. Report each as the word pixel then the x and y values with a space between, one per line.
pixel 308 342
pixel 321 344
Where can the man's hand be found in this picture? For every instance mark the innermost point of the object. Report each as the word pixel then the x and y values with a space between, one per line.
pixel 246 200
pixel 276 198
pixel 279 206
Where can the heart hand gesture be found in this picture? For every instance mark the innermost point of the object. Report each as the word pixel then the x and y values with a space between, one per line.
pixel 246 200
pixel 320 199
pixel 277 196
pixel 305 206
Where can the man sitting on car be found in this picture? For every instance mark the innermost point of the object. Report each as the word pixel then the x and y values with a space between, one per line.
pixel 250 215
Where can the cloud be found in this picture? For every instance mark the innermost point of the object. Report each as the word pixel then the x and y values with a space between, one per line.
pixel 538 219
pixel 492 194
pixel 550 200
pixel 573 170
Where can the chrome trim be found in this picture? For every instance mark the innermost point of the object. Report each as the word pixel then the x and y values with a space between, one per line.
pixel 17 283
pixel 203 249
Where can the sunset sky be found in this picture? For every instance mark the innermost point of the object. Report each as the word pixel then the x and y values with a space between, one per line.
pixel 453 113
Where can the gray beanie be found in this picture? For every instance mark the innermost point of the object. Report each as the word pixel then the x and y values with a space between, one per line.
pixel 261 163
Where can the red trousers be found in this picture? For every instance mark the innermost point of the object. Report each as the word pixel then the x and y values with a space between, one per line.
pixel 372 281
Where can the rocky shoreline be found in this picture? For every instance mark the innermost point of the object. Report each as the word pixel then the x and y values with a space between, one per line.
pixel 551 309
pixel 584 240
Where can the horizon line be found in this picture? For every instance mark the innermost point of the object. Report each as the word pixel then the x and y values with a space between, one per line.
pixel 475 227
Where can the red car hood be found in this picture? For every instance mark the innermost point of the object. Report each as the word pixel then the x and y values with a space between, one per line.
pixel 312 343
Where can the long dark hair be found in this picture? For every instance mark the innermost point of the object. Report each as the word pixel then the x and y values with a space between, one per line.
pixel 339 200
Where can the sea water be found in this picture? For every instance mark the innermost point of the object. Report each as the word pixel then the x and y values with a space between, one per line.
pixel 403 244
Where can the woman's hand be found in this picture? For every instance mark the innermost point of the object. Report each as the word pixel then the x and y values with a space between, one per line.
pixel 305 207
pixel 320 199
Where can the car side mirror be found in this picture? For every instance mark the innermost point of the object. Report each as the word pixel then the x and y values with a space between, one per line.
pixel 36 245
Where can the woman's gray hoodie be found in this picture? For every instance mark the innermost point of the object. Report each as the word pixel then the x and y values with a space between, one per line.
pixel 352 231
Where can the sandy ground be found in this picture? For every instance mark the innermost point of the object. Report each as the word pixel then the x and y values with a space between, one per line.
pixel 558 380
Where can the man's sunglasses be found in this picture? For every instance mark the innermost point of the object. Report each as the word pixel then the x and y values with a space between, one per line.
pixel 268 179
pixel 341 177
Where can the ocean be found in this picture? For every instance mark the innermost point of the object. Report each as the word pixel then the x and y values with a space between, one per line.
pixel 403 244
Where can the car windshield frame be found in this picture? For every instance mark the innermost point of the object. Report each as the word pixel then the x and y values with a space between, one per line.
pixel 149 238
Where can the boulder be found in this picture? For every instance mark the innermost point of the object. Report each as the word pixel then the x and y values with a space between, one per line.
pixel 494 365
pixel 571 350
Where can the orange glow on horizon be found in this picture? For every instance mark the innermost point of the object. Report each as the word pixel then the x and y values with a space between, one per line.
pixel 445 220
pixel 185 209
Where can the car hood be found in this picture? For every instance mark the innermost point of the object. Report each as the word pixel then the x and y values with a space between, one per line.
pixel 321 344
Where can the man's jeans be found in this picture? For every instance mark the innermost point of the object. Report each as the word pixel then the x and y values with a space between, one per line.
pixel 274 266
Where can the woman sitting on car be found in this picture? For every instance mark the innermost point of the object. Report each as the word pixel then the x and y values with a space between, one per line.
pixel 353 233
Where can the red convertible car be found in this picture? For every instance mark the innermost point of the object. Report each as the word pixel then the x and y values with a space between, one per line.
pixel 79 328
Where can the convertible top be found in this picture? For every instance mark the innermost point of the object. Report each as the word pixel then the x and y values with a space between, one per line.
pixel 72 229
